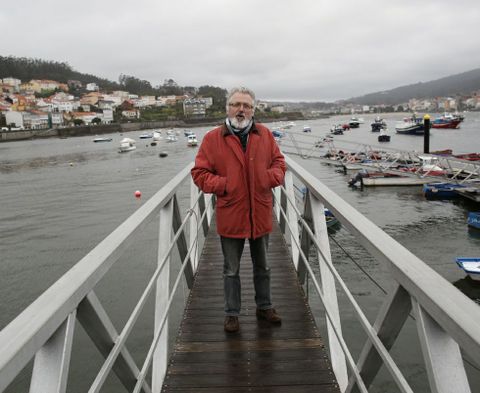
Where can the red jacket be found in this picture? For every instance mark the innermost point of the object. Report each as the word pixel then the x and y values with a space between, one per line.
pixel 242 181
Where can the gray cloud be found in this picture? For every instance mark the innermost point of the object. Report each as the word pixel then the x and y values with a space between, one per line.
pixel 303 49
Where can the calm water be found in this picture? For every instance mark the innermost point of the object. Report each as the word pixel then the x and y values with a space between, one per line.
pixel 61 197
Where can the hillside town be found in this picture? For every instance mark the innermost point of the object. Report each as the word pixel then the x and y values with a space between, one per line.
pixel 42 104
pixel 39 104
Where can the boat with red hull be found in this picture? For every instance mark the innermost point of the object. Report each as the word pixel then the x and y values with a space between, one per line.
pixel 446 123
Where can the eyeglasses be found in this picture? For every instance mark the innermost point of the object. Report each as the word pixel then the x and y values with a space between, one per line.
pixel 238 105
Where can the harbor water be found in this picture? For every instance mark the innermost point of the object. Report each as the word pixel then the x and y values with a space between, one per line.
pixel 61 197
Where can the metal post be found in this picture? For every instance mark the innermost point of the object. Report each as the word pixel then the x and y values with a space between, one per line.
pixel 426 135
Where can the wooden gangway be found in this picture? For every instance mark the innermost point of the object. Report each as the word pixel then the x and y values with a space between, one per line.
pixel 260 357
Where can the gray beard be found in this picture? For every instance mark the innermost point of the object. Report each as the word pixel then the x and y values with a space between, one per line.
pixel 239 124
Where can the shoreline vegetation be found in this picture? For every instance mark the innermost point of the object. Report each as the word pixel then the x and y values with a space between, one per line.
pixel 92 130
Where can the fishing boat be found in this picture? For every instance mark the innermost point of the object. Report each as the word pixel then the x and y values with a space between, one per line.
pixel 413 127
pixel 473 220
pixel 447 120
pixel 126 144
pixel 378 124
pixel 471 266
pixel 441 190
pixel 307 129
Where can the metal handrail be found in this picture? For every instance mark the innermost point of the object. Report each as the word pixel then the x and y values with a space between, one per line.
pixel 438 306
pixel 39 323
pixel 430 294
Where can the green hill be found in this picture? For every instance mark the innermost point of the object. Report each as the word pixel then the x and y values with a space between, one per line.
pixel 26 69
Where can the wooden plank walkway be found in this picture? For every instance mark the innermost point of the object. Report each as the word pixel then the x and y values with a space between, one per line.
pixel 260 357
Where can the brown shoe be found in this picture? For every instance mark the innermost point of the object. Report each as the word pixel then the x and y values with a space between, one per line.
pixel 231 324
pixel 270 315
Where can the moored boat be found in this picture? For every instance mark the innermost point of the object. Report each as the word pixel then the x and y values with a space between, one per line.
pixel 410 128
pixel 468 156
pixel 146 136
pixel 473 220
pixel 383 137
pixel 336 129
pixel 102 139
pixel 441 190
pixel 471 266
pixel 331 220
pixel 354 122
pixel 307 129
pixel 192 140
pixel 157 136
pixel 378 124
pixel 443 122
pixel 379 178
pixel 126 144
pixel 277 133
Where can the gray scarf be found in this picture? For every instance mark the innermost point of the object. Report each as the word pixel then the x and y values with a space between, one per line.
pixel 240 132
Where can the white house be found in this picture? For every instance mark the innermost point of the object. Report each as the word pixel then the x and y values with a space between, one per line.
pixel 15 83
pixel 14 117
pixel 194 107
pixel 92 87
pixel 107 116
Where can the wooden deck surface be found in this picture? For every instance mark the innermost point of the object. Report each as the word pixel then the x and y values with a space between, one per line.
pixel 260 357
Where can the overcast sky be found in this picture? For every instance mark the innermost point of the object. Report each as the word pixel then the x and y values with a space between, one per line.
pixel 294 50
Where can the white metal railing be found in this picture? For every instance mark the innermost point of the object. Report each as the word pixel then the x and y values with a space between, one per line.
pixel 448 323
pixel 44 331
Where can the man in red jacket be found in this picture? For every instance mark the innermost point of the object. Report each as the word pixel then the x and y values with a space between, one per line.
pixel 240 163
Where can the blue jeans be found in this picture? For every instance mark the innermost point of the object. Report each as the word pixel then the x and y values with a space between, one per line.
pixel 232 252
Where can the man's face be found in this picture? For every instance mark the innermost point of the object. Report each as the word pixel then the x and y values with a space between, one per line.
pixel 240 110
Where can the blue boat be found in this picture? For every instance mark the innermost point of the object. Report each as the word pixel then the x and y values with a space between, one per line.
pixel 277 133
pixel 441 190
pixel 473 220
pixel 332 221
pixel 471 266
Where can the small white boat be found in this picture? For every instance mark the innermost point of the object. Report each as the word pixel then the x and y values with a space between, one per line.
pixel 157 136
pixel 307 129
pixel 192 140
pixel 471 266
pixel 146 136
pixel 102 139
pixel 171 137
pixel 126 144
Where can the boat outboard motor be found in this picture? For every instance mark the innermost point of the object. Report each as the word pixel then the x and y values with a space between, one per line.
pixel 357 178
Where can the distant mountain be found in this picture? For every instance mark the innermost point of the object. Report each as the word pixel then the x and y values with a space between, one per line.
pixel 464 83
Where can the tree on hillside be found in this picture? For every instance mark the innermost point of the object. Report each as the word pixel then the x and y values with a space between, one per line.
pixel 135 85
pixel 218 94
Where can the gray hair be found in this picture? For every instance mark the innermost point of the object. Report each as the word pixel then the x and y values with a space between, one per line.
pixel 242 90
